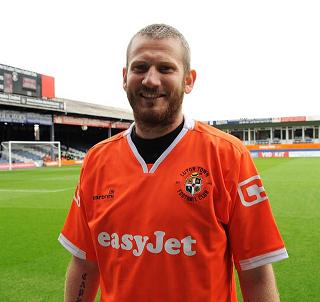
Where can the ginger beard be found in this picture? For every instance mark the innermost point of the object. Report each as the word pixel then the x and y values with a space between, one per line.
pixel 161 111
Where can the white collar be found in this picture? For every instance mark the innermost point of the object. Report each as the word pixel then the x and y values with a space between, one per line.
pixel 188 125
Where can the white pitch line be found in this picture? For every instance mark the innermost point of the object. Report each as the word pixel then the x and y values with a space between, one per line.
pixel 35 190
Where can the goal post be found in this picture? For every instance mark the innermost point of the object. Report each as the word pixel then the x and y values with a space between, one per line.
pixel 25 154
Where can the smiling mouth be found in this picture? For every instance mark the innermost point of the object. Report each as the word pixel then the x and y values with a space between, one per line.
pixel 151 96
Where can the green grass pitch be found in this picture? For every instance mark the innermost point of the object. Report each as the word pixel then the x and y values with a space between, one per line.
pixel 34 204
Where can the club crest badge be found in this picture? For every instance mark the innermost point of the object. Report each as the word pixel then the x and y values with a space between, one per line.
pixel 193 184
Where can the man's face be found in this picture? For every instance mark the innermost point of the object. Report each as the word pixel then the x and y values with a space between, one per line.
pixel 155 81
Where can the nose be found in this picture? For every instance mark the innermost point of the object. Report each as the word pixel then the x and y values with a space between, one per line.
pixel 151 78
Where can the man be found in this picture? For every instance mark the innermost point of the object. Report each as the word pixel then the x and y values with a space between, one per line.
pixel 163 211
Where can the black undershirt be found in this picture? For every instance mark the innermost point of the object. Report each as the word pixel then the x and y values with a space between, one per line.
pixel 151 149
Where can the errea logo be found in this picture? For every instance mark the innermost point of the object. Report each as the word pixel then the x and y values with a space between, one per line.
pixel 251 191
pixel 108 195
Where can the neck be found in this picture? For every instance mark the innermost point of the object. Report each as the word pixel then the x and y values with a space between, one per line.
pixel 149 132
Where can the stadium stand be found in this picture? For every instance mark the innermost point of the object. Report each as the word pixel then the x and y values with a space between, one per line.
pixel 34 113
pixel 297 136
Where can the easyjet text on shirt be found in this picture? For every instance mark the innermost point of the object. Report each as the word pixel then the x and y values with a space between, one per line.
pixel 138 243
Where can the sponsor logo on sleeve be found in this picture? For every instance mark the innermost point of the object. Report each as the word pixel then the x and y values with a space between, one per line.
pixel 251 191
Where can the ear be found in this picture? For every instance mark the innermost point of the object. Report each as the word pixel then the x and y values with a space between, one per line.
pixel 189 81
pixel 124 76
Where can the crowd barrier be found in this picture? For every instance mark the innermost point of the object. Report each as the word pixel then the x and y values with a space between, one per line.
pixel 5 166
pixel 285 150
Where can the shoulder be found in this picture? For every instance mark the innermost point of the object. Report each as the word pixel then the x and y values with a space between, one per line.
pixel 104 149
pixel 218 138
pixel 107 143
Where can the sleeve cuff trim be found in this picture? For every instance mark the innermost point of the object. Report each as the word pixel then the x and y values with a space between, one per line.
pixel 74 250
pixel 260 260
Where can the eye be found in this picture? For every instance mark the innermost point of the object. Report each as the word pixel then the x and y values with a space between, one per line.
pixel 139 68
pixel 166 69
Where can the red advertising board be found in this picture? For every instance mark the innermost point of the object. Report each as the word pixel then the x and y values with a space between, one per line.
pixel 283 147
pixel 293 119
pixel 47 86
pixel 273 154
pixel 90 122
pixel 80 121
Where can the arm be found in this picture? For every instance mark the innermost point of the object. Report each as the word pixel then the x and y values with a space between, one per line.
pixel 82 281
pixel 259 285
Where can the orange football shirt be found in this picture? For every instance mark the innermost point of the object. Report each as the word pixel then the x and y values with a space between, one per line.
pixel 172 231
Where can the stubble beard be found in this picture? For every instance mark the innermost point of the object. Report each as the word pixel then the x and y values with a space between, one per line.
pixel 150 118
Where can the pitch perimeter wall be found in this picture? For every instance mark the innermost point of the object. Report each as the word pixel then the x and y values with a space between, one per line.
pixel 285 150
